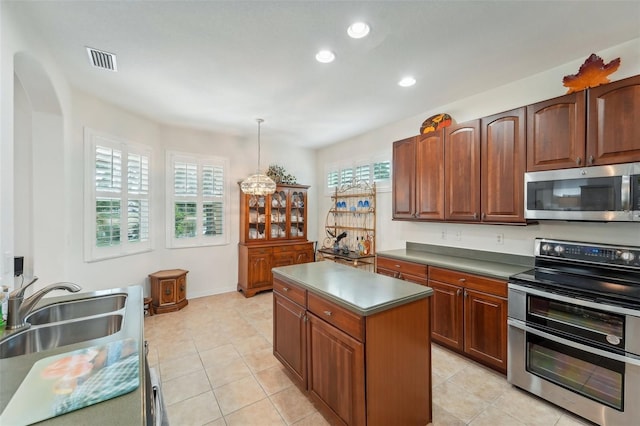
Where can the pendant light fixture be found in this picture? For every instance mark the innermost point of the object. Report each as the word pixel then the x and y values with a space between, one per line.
pixel 258 184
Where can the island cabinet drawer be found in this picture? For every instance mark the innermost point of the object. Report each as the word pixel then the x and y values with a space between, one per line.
pixel 291 291
pixel 470 281
pixel 402 267
pixel 341 318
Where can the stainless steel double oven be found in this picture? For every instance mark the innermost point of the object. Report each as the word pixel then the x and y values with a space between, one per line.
pixel 574 329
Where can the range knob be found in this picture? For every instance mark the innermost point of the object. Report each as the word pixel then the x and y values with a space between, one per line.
pixel 627 256
pixel 559 249
pixel 546 248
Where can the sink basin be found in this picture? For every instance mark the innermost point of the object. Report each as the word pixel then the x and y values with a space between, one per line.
pixel 79 308
pixel 42 338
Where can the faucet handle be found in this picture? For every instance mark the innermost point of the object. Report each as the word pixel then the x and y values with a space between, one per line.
pixel 19 292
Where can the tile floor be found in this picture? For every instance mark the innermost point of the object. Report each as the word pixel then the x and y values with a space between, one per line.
pixel 217 368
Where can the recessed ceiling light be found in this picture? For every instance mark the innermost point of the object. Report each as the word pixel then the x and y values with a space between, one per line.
pixel 325 56
pixel 407 81
pixel 358 30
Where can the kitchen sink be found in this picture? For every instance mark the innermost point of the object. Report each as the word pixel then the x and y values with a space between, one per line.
pixel 78 308
pixel 50 336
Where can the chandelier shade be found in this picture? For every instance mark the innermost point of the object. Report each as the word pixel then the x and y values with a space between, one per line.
pixel 259 183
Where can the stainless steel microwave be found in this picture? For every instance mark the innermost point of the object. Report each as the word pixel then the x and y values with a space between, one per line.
pixel 598 193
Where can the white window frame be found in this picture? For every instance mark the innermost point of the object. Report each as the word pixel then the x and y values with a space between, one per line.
pixel 92 252
pixel 351 168
pixel 199 240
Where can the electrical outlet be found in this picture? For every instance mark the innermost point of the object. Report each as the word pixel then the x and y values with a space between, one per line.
pixel 443 234
pixel 458 235
pixel 500 238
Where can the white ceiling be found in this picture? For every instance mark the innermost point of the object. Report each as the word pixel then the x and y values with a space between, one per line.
pixel 218 65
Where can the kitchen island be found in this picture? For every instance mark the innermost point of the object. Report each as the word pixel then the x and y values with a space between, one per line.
pixel 357 342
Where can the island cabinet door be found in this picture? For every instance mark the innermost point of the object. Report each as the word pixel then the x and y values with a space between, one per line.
pixel 289 336
pixel 336 371
pixel 486 328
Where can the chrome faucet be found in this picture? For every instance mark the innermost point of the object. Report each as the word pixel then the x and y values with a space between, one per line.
pixel 19 307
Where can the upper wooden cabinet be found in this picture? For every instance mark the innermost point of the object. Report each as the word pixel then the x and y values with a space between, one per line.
pixel 462 172
pixel 430 175
pixel 503 162
pixel 418 177
pixel 594 127
pixel 556 132
pixel 404 178
pixel 613 124
pixel 468 172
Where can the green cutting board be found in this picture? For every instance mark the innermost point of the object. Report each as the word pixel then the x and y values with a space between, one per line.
pixel 67 382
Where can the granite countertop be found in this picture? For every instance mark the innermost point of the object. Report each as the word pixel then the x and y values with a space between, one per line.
pixel 364 293
pixel 127 409
pixel 489 264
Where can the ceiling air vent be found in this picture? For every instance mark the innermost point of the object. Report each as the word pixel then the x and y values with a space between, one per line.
pixel 100 59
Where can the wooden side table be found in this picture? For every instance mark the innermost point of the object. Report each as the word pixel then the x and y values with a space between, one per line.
pixel 169 290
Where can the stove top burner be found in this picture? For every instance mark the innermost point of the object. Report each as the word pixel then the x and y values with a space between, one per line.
pixel 620 288
pixel 603 279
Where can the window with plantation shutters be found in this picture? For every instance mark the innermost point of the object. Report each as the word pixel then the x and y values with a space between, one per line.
pixel 117 199
pixel 197 197
pixel 376 169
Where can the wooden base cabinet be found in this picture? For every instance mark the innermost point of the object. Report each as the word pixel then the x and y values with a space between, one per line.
pixel 469 315
pixel 360 370
pixel 255 263
pixel 169 290
pixel 409 271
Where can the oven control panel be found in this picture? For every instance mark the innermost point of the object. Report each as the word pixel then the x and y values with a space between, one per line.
pixel 604 254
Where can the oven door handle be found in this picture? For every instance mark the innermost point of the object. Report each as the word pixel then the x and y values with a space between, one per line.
pixel 629 359
pixel 574 301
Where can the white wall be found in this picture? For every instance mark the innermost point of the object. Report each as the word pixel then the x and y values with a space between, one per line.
pixel 48 134
pixel 212 269
pixel 517 239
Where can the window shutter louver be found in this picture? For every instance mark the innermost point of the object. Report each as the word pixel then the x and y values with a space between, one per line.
pixel 363 173
pixel 332 179
pixel 346 176
pixel 108 169
pixel 382 171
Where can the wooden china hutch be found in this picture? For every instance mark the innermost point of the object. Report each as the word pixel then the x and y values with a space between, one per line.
pixel 273 232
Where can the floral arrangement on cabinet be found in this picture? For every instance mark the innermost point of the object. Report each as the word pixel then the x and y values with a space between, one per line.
pixel 280 175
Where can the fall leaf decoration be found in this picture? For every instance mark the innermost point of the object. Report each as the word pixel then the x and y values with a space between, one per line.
pixel 435 122
pixel 592 73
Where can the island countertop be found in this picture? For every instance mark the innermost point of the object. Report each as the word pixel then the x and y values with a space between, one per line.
pixel 364 293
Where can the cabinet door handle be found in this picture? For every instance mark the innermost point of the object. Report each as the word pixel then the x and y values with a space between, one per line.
pixel 182 287
pixel 396 274
pixel 466 294
pixel 397 266
pixel 484 215
pixel 578 161
pixel 475 215
pixel 462 280
pixel 167 291
pixel 591 159
pixel 285 288
pixel 328 313
pixel 458 292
